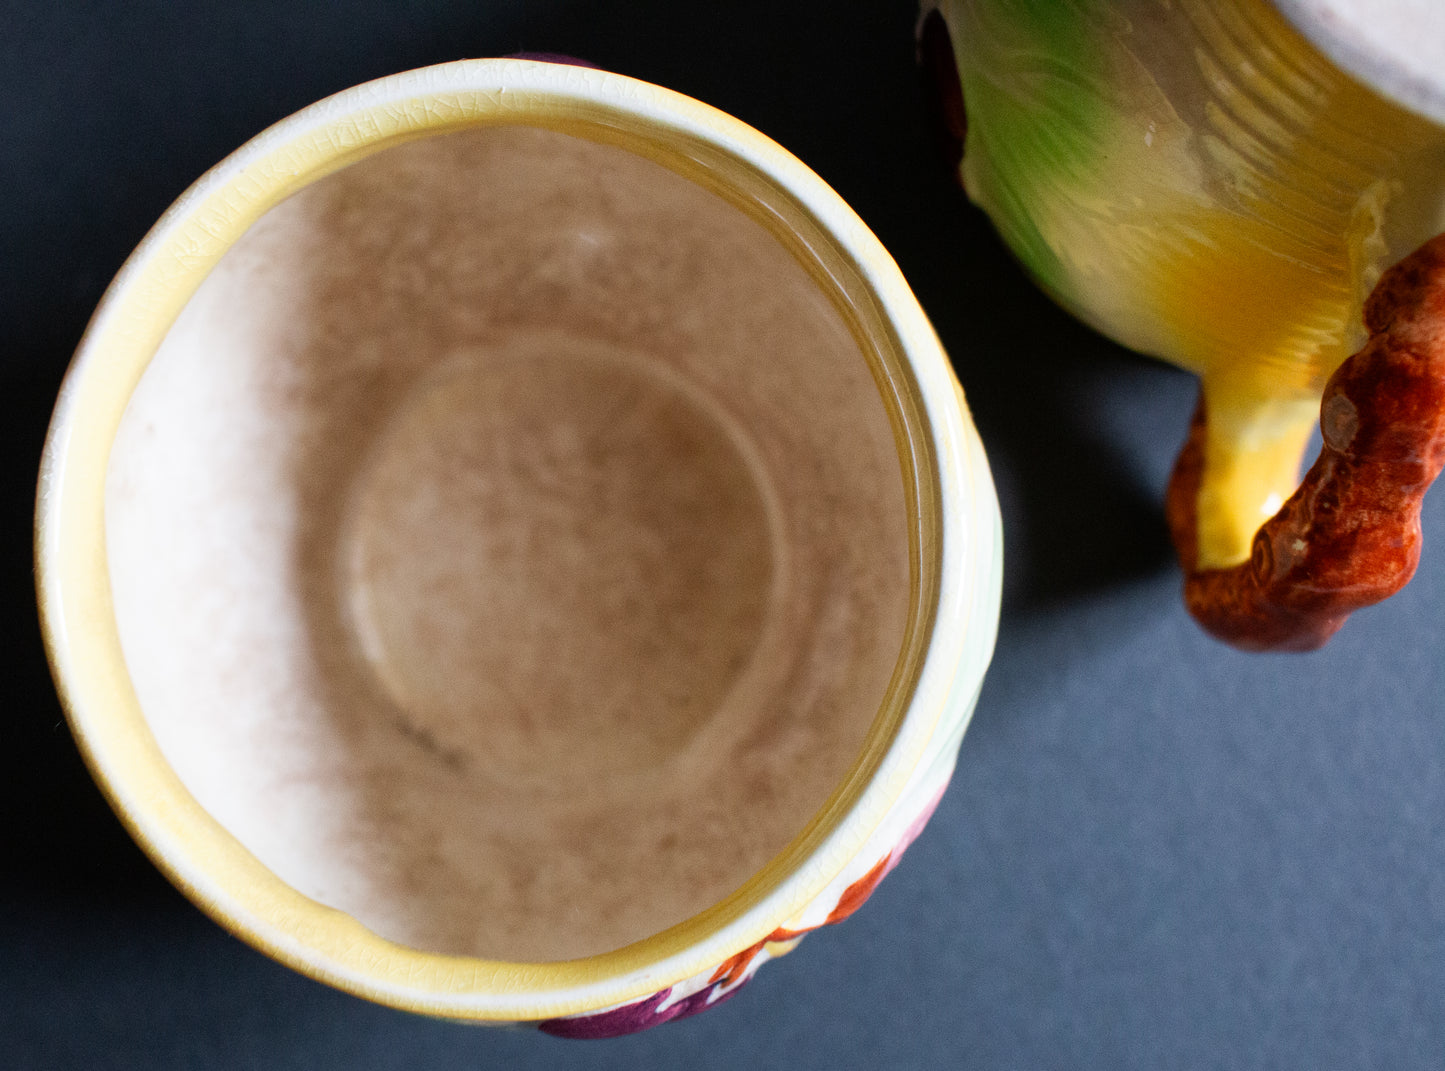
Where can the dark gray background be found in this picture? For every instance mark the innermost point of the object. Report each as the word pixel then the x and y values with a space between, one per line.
pixel 1156 853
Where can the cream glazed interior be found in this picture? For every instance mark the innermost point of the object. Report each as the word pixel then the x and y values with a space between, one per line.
pixel 509 545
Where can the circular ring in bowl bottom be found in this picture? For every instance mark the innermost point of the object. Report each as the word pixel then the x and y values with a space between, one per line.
pixel 559 560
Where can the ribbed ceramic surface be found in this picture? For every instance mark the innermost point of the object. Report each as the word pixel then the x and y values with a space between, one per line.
pixel 1192 177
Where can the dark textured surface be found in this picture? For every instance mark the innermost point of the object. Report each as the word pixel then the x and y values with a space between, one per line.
pixel 1157 852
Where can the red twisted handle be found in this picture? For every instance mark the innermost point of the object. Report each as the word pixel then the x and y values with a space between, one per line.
pixel 1350 536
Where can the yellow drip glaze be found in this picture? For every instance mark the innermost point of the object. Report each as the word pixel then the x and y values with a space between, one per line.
pixel 1199 182
pixel 1311 164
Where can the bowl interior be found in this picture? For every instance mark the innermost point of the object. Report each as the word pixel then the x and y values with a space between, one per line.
pixel 509 544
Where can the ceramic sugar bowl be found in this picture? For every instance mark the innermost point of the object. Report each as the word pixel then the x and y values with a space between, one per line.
pixel 511 547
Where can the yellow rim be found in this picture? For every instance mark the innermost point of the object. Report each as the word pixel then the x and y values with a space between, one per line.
pixel 73 582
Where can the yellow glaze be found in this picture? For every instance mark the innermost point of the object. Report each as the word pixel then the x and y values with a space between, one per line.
pixel 1270 307
pixel 1200 182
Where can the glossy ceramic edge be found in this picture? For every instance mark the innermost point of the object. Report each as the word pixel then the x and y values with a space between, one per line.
pixel 955 545
pixel 852 886
pixel 1367 62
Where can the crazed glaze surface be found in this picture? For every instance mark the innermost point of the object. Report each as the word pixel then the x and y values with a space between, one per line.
pixel 845 895
pixel 952 532
pixel 509 545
